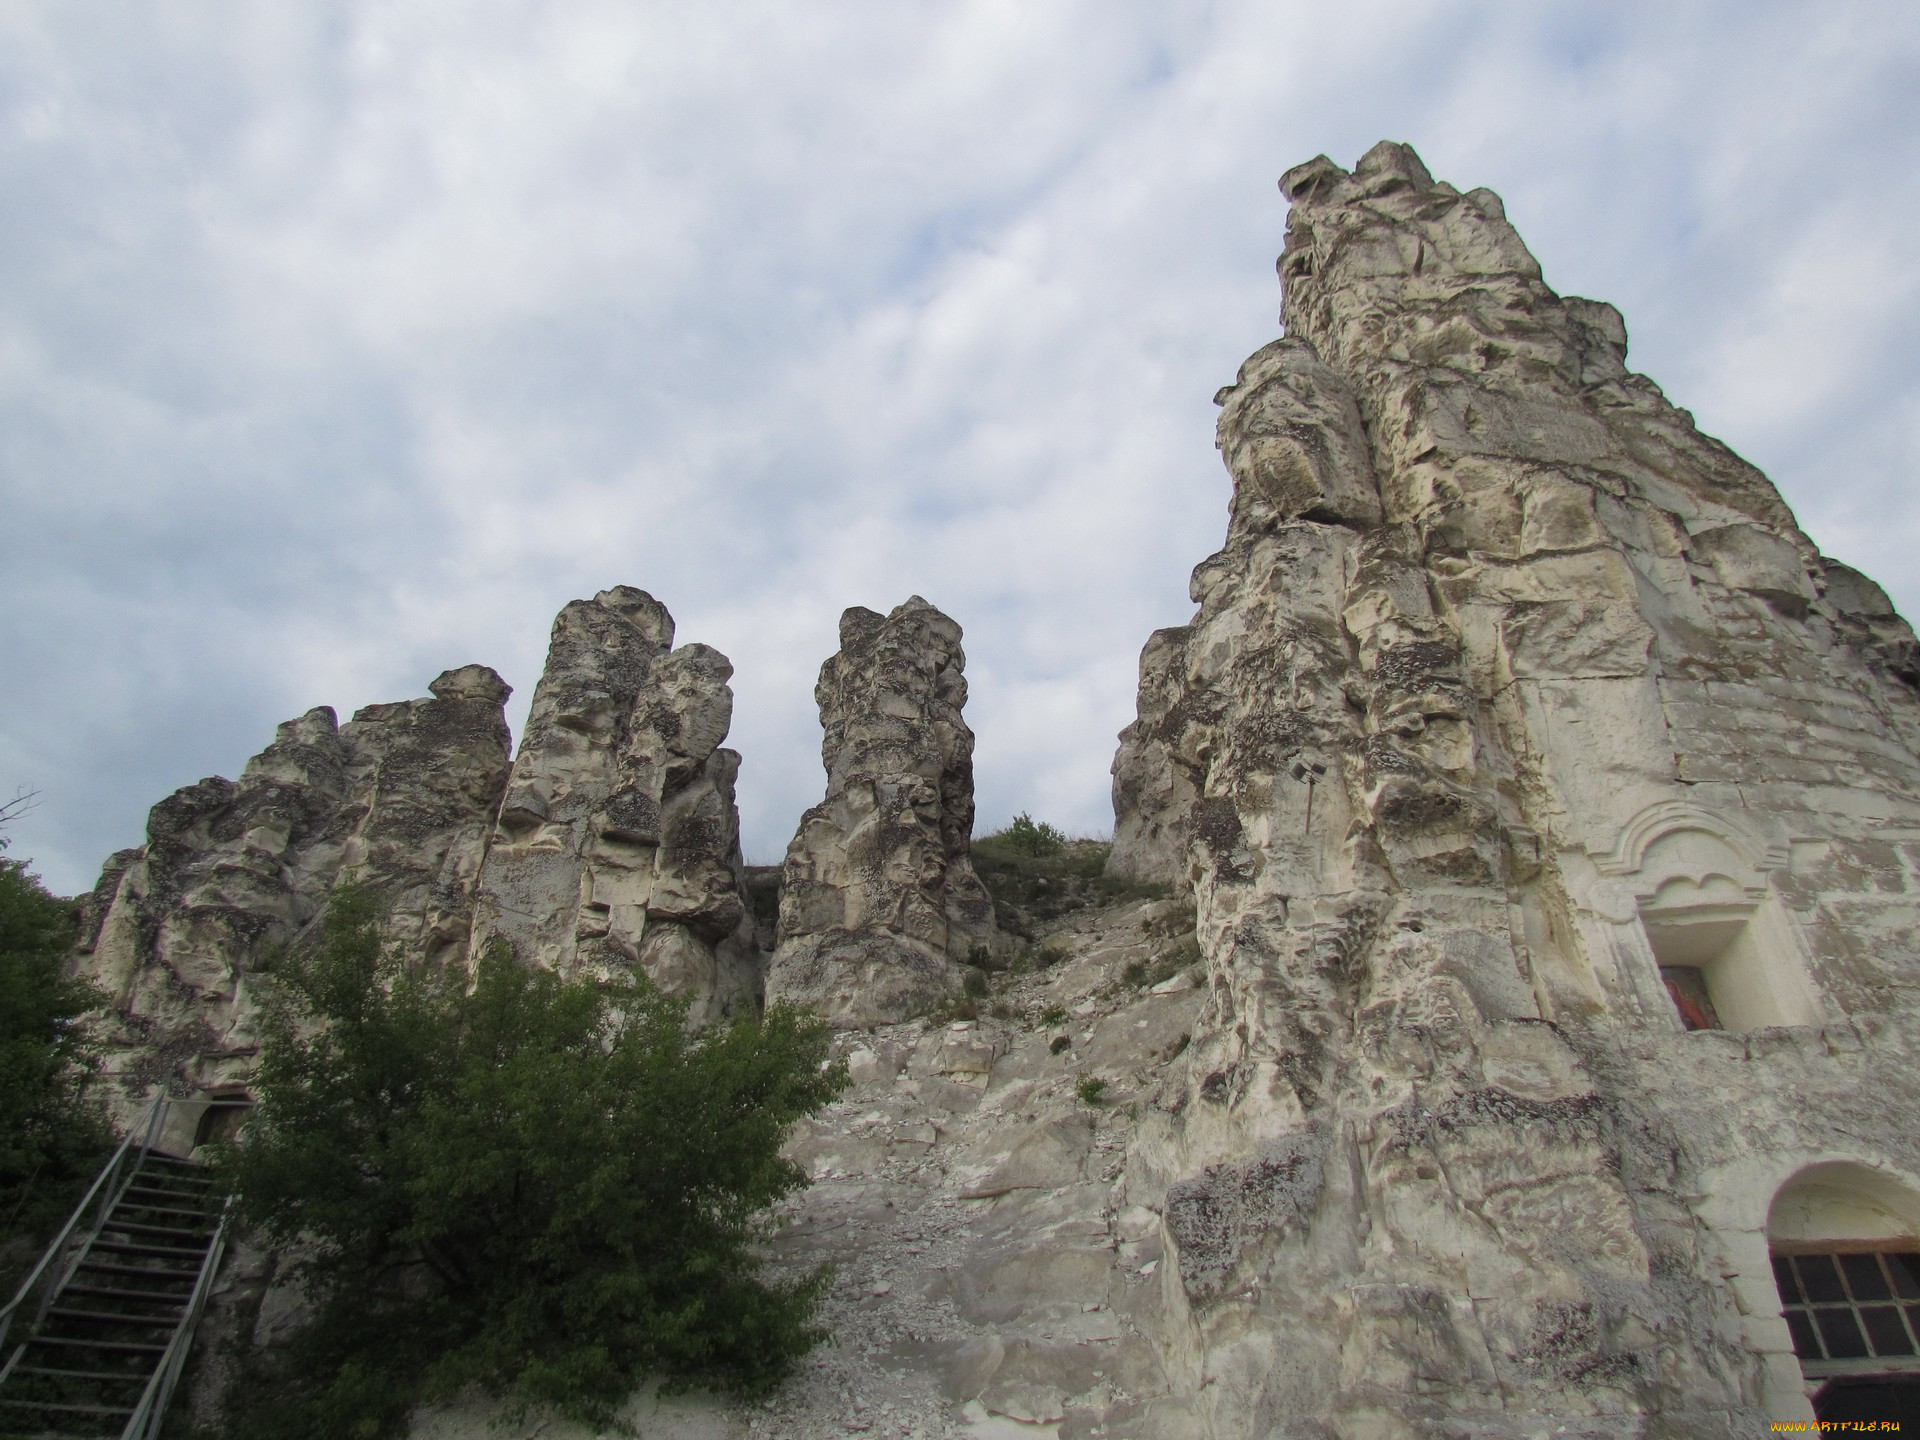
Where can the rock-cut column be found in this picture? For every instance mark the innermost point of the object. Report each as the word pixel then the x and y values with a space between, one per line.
pixel 878 899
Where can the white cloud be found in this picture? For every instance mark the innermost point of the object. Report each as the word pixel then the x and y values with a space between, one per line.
pixel 342 344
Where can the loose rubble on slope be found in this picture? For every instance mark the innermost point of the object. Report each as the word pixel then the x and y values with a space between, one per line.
pixel 991 1277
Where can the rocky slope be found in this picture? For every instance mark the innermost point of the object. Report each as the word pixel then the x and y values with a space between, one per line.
pixel 992 1276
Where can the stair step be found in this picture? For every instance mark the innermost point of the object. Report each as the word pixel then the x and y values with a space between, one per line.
pixel 129 1347
pixel 148 1272
pixel 111 1292
pixel 151 1322
pixel 189 1245
pixel 139 1227
pixel 133 1206
pixel 129 1247
pixel 150 1186
pixel 68 1409
pixel 114 1377
pixel 198 1214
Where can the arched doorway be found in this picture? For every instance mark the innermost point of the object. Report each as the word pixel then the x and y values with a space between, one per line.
pixel 1845 1244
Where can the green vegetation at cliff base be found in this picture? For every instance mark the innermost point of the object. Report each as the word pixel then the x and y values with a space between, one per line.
pixel 52 1136
pixel 549 1190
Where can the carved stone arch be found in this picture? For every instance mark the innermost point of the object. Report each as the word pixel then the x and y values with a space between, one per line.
pixel 1885 1202
pixel 1843 1242
pixel 1709 931
pixel 1742 1206
pixel 1638 836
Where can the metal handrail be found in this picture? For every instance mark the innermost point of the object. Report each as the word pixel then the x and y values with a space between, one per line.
pixel 145 1130
pixel 63 1256
pixel 144 1423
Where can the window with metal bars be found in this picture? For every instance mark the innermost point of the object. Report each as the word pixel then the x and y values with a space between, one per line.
pixel 1852 1310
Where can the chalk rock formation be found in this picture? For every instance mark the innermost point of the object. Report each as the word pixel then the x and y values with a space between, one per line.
pixel 610 846
pixel 401 798
pixel 878 895
pixel 618 844
pixel 1519 730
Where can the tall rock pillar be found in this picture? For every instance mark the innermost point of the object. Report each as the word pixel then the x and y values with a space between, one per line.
pixel 1507 689
pixel 618 844
pixel 878 897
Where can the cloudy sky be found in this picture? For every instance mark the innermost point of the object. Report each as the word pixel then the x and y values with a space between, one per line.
pixel 342 343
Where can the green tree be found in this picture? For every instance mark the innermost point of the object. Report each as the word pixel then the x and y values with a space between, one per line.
pixel 548 1189
pixel 51 1137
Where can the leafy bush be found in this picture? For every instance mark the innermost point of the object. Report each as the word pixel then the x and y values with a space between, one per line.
pixel 1054 1015
pixel 1026 836
pixel 544 1188
pixel 1090 1088
pixel 52 1137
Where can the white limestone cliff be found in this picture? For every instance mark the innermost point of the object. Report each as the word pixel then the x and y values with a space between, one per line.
pixel 1511 699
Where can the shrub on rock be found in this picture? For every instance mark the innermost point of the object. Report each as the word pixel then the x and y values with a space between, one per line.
pixel 546 1189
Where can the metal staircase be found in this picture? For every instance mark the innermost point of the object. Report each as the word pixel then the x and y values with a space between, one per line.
pixel 98 1353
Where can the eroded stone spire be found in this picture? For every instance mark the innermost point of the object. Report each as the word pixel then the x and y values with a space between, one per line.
pixel 1502 664
pixel 618 844
pixel 878 895
pixel 400 798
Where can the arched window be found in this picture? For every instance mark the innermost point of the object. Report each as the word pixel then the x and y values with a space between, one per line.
pixel 1845 1242
pixel 1723 947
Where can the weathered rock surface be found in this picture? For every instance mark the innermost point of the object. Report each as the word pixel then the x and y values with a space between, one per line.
pixel 991 1281
pixel 1511 700
pixel 618 844
pixel 611 845
pixel 400 798
pixel 878 896
pixel 1518 730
